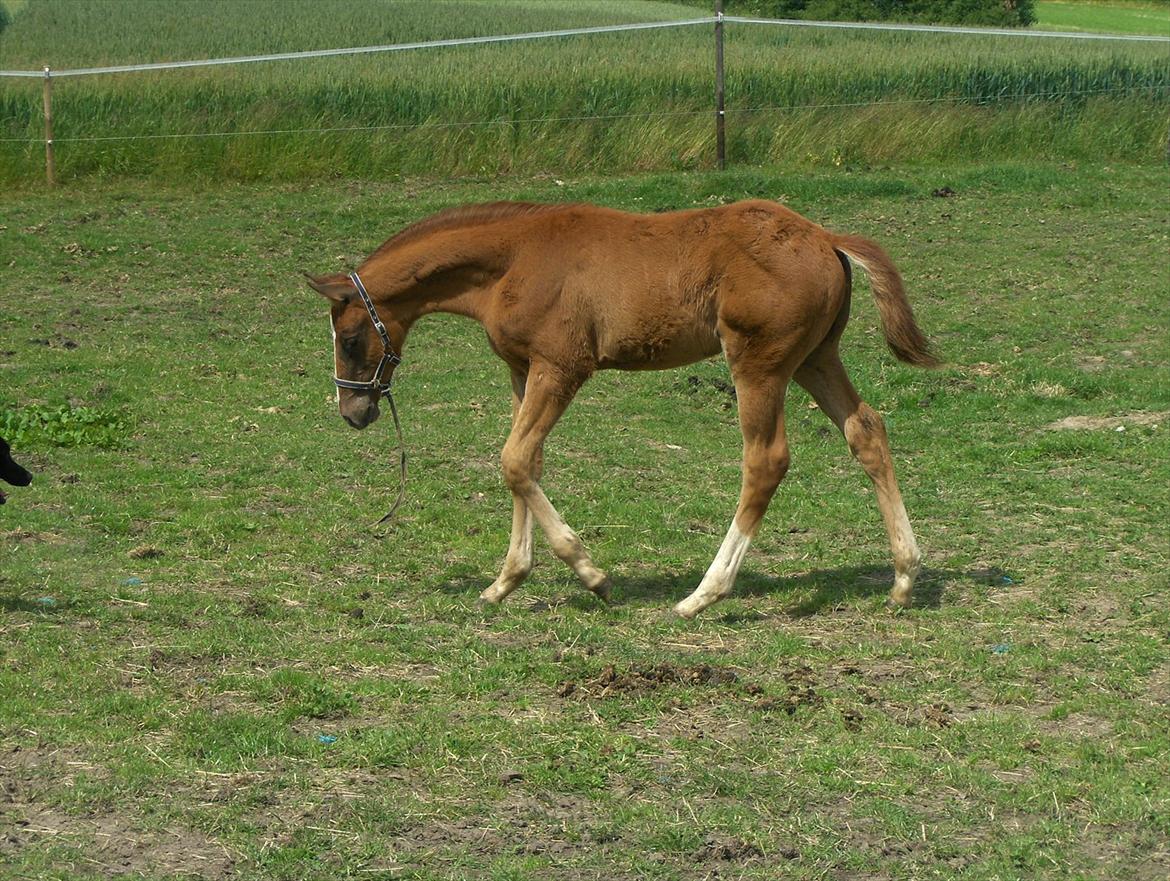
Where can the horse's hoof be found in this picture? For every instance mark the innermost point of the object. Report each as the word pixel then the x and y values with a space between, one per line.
pixel 602 590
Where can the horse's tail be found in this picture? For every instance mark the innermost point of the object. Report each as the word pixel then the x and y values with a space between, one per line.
pixel 902 333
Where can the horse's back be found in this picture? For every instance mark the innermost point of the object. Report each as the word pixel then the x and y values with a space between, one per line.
pixel 653 291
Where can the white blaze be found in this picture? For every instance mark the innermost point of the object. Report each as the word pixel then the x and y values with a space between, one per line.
pixel 333 330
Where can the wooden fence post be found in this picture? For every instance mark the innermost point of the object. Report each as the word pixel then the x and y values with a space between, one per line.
pixel 720 134
pixel 50 163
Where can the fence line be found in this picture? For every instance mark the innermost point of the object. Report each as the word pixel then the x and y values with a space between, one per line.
pixel 718 20
pixel 601 29
pixel 649 114
pixel 946 29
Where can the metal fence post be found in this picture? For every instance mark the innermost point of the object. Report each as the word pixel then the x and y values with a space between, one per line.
pixel 50 163
pixel 720 133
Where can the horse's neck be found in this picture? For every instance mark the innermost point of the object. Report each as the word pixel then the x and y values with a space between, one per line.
pixel 445 272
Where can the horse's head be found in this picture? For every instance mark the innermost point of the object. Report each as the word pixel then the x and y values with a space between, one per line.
pixel 360 357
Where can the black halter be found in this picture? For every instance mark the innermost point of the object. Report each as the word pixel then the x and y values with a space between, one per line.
pixel 390 358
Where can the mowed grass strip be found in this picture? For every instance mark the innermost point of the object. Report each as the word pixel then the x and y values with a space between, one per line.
pixel 210 665
pixel 1124 17
pixel 636 101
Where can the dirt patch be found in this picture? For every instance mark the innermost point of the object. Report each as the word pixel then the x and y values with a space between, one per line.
pixel 22 535
pixel 549 825
pixel 113 843
pixel 982 368
pixel 852 690
pixel 1125 851
pixel 1112 423
pixel 561 828
pixel 875 671
pixel 802 692
pixel 695 382
pixel 939 715
pixel 21 763
pixel 724 848
pixel 1082 726
pixel 1092 363
pixel 611 680
pixel 1158 687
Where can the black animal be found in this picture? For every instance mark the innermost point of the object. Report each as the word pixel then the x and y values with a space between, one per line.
pixel 10 471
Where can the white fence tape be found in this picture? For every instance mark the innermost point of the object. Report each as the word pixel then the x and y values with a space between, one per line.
pixel 942 29
pixel 361 50
pixel 603 29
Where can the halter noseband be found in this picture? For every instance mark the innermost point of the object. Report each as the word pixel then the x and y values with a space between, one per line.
pixel 389 357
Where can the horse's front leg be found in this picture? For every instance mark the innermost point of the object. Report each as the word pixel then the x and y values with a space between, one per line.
pixel 518 562
pixel 547 394
pixel 765 461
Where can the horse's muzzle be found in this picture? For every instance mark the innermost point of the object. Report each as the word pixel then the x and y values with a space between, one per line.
pixel 359 417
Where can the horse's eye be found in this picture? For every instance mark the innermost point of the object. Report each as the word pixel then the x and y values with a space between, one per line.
pixel 350 344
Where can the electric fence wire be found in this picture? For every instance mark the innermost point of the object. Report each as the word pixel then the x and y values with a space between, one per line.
pixel 977 100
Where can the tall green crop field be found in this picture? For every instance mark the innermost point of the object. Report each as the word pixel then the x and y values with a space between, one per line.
pixel 628 101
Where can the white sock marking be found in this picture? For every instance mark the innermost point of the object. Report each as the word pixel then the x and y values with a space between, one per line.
pixel 720 575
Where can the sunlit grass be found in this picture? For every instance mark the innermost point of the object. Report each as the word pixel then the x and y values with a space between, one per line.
pixel 207 654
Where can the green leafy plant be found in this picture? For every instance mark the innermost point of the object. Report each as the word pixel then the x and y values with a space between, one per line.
pixel 63 426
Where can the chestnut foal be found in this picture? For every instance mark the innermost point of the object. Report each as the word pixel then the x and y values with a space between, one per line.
pixel 565 290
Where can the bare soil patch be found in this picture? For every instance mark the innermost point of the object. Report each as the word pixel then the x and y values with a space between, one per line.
pixel 640 679
pixel 1158 686
pixel 1113 423
pixel 1123 851
pixel 22 535
pixel 113 842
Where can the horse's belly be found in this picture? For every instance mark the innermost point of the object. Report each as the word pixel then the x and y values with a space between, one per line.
pixel 659 348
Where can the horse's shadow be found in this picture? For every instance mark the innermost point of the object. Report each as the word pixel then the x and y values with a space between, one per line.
pixel 19 604
pixel 812 592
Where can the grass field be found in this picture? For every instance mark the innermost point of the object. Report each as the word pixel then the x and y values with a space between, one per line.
pixel 604 102
pixel 1114 17
pixel 210 668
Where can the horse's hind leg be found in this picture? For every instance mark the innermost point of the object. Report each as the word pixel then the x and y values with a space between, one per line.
pixel 824 377
pixel 518 562
pixel 545 398
pixel 765 461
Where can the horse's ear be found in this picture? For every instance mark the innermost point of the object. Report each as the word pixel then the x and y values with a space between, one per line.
pixel 337 287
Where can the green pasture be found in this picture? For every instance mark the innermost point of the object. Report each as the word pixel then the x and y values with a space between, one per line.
pixel 1113 17
pixel 211 667
pixel 796 97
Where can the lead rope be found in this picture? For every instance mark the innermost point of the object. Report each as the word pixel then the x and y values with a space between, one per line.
pixel 402 461
pixel 389 356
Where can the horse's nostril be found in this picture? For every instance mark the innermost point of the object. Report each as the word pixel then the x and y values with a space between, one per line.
pixel 353 422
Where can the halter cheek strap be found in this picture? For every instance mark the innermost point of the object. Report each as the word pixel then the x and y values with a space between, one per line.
pixel 390 358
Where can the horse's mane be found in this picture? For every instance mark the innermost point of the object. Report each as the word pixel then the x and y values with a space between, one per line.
pixel 462 216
